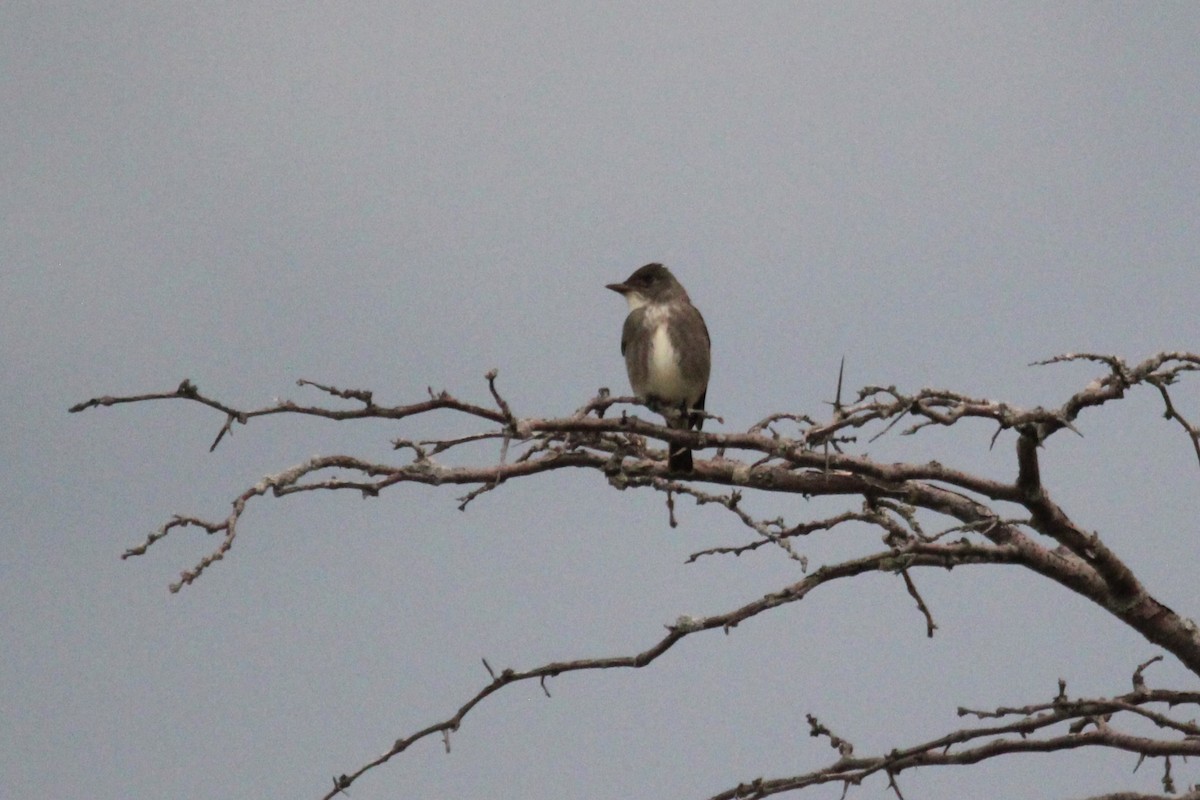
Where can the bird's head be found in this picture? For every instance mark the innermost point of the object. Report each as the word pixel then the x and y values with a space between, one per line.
pixel 652 283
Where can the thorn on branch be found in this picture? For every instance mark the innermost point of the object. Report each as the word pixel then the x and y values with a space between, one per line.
pixel 837 398
pixel 999 429
pixel 363 396
pixel 1139 681
pixel 226 428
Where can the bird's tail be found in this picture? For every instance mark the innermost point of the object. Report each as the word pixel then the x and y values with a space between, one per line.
pixel 679 458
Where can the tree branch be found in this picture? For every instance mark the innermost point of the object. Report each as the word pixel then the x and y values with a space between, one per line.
pixel 892 499
pixel 926 555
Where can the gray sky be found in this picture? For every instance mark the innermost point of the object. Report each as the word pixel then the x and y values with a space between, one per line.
pixel 395 198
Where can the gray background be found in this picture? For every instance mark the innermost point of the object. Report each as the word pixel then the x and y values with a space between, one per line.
pixel 395 198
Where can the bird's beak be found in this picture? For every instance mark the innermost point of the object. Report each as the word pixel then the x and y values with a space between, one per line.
pixel 619 288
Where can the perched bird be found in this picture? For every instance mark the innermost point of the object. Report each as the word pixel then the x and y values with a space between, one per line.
pixel 666 349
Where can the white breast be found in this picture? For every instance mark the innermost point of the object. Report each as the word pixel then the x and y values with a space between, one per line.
pixel 665 380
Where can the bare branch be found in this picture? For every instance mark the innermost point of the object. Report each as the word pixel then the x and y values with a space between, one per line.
pixel 892 499
pixel 618 448
pixel 930 625
pixel 1172 413
pixel 772 531
pixel 937 555
pixel 188 391
pixel 1192 795
pixel 1028 734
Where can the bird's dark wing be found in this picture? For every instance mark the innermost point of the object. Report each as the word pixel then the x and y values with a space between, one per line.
pixel 635 347
pixel 687 331
pixel 633 323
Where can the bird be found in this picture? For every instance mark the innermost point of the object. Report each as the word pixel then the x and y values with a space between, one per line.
pixel 667 352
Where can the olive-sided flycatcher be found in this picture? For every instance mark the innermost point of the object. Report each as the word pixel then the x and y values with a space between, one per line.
pixel 666 349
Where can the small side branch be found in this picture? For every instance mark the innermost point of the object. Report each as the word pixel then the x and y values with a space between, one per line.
pixel 683 627
pixel 188 391
pixel 1087 723
pixel 930 625
pixel 1172 412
